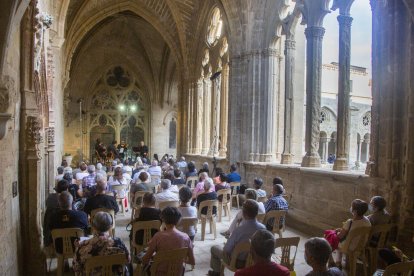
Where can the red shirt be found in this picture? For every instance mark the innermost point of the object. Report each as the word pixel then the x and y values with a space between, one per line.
pixel 263 269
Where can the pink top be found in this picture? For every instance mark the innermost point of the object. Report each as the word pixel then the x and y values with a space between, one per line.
pixel 170 240
pixel 199 188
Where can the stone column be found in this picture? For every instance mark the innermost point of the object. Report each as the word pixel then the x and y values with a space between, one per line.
pixel 199 120
pixel 190 126
pixel 224 110
pixel 343 121
pixel 207 115
pixel 289 27
pixel 51 159
pixel 313 13
pixel 216 116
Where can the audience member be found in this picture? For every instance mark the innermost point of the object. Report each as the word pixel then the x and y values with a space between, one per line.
pixel 90 180
pixel 59 176
pixel 277 180
pixel 233 176
pixel 216 179
pixel 191 170
pixel 243 233
pixel 166 194
pixel 317 253
pixel 75 190
pixel 102 244
pixel 100 200
pixel 81 172
pixel 178 180
pixel 119 179
pixel 140 186
pixel 100 169
pixel 154 169
pixel 204 168
pixel 262 246
pixel 379 214
pixel 199 188
pixel 257 184
pixel 186 210
pixel 182 164
pixel 222 185
pixel 169 239
pixel 207 195
pixel 276 202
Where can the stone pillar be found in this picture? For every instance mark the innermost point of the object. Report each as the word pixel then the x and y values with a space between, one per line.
pixel 343 121
pixel 224 110
pixel 189 138
pixel 216 116
pixel 289 27
pixel 51 159
pixel 207 115
pixel 199 119
pixel 313 12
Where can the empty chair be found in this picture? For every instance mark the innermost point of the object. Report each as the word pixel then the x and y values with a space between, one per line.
pixel 67 236
pixel 121 195
pixel 377 239
pixel 168 203
pixel 286 244
pixel 111 212
pixel 235 186
pixel 278 217
pixel 210 216
pixel 149 228
pixel 224 203
pixel 241 248
pixel 400 269
pixel 105 265
pixel 192 182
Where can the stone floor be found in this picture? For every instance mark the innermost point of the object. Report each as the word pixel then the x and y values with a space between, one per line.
pixel 202 248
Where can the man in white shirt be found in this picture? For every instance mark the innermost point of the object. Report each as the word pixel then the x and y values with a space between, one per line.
pixel 166 194
pixel 83 172
pixel 182 163
pixel 154 169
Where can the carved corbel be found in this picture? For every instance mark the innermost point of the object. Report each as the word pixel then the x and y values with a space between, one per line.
pixel 33 135
pixel 344 6
pixel 290 22
pixel 313 12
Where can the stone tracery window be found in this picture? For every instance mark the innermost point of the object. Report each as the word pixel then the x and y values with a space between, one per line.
pixel 215 28
pixel 117 77
pixel 366 120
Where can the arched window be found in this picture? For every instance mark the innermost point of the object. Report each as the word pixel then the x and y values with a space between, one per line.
pixel 173 134
pixel 215 27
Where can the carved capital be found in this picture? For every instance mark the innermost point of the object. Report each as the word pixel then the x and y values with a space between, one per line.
pixel 33 127
pixel 344 6
pixel 7 93
pixel 271 53
pixel 314 11
pixel 314 32
pixel 51 136
pixel 345 20
pixel 290 44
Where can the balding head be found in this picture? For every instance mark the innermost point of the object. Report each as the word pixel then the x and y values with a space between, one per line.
pixel 91 168
pixel 203 175
pixel 100 183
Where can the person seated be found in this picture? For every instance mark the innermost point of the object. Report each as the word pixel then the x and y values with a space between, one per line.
pixel 277 180
pixel 119 179
pixel 191 170
pixel 89 181
pixel 207 195
pixel 204 168
pixel 182 164
pixel 262 246
pixel 233 176
pixel 379 214
pixel 216 179
pixel 154 169
pixel 74 189
pixel 139 169
pixel 241 234
pixel 358 220
pixel 257 184
pixel 178 180
pixel 82 172
pixel 100 169
pixel 100 200
pixel 276 202
pixel 142 185
pixel 222 185
pixel 186 210
pixel 166 194
pixel 390 256
pixel 317 253
pixel 238 220
pixel 67 218
pixel 199 188
pixel 101 244
pixel 169 239
pixel 59 176
pixel 147 212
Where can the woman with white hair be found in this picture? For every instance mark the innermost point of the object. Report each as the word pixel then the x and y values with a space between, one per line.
pixel 101 244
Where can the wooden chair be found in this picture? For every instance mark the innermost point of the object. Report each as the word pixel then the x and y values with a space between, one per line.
pixel 234 189
pixel 401 269
pixel 286 244
pixel 262 199
pixel 380 234
pixel 146 226
pixel 186 223
pixel 192 182
pixel 66 235
pixel 172 260
pixel 137 197
pixel 121 199
pixel 105 264
pixel 209 204
pixel 276 215
pixel 109 211
pixel 168 203
pixel 224 204
pixel 355 250
pixel 260 217
pixel 240 248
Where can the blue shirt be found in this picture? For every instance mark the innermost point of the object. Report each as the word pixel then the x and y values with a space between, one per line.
pixel 277 202
pixel 243 233
pixel 233 177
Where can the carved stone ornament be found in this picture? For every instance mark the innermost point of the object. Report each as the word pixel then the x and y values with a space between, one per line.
pixel 51 136
pixel 34 138
pixel 7 94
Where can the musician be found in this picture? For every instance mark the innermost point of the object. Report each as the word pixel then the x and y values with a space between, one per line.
pixel 100 149
pixel 142 150
pixel 122 149
pixel 112 151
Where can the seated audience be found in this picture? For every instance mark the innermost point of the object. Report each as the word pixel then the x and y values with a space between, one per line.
pixel 118 179
pixel 101 244
pixel 178 180
pixel 186 210
pixel 154 169
pixel 59 176
pixel 243 233
pixel 222 185
pixel 147 212
pixel 75 190
pixel 67 218
pixel 277 180
pixel 216 179
pixel 317 253
pixel 169 239
pixel 238 220
pixel 100 169
pixel 262 246
pixel 100 200
pixel 233 176
pixel 276 202
pixel 141 186
pixel 391 256
pixel 207 195
pixel 204 168
pixel 257 184
pixel 166 194
pixel 89 181
pixel 81 172
pixel 379 214
pixel 358 209
pixel 199 188
pixel 191 170
pixel 182 164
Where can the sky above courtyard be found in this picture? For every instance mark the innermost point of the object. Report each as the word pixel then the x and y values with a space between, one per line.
pixel 361 35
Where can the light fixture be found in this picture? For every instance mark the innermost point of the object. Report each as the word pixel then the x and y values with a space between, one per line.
pixel 122 107
pixel 133 108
